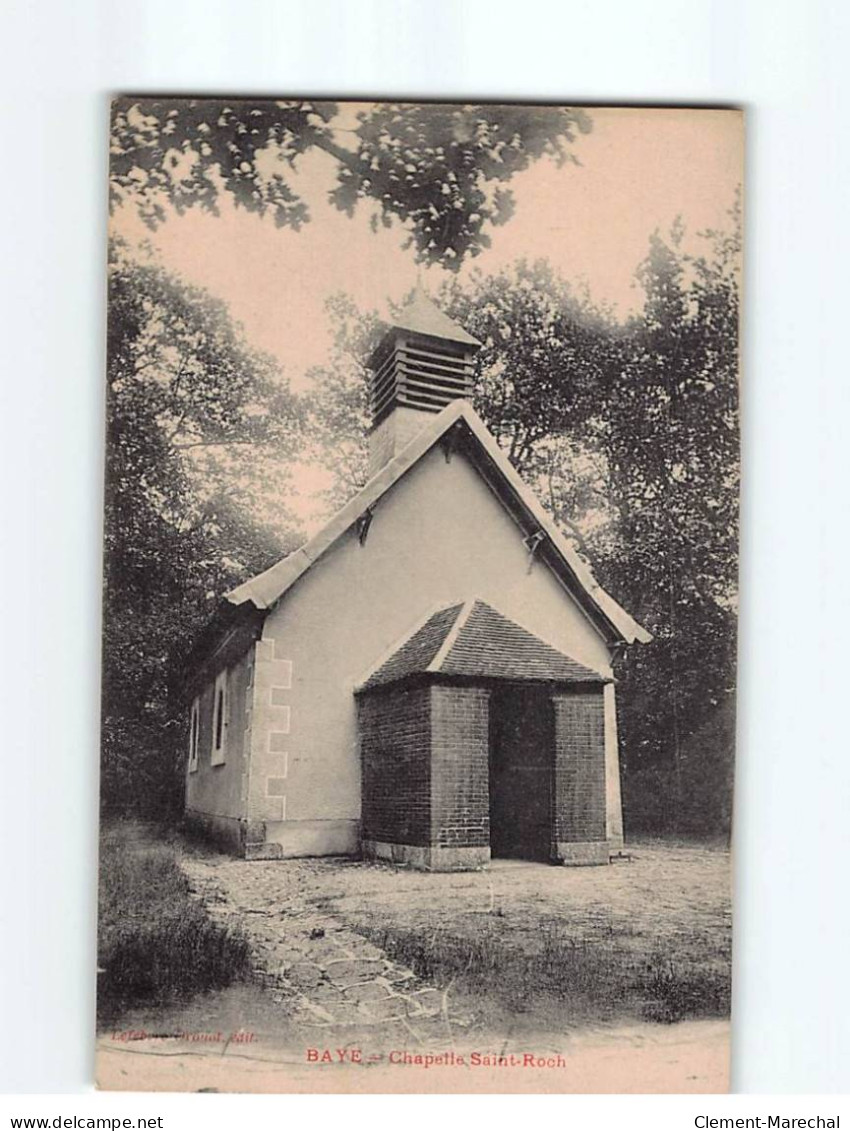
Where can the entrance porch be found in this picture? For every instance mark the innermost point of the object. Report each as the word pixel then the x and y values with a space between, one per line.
pixel 472 758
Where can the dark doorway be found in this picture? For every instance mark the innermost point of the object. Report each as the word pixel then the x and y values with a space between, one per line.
pixel 522 745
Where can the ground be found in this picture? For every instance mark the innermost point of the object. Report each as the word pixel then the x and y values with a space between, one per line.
pixel 580 965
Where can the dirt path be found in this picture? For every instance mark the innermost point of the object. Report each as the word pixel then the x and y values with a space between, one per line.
pixel 329 977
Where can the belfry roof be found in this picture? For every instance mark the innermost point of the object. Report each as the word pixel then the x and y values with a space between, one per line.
pixel 421 316
pixel 474 640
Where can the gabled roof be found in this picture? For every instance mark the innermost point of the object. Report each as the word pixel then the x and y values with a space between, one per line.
pixel 421 316
pixel 266 589
pixel 473 639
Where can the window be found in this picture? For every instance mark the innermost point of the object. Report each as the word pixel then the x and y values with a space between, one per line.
pixel 194 735
pixel 221 709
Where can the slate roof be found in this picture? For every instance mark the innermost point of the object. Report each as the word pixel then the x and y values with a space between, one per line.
pixel 475 640
pixel 266 589
pixel 419 650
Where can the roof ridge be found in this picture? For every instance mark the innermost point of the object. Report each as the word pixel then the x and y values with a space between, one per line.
pixel 402 639
pixel 372 490
pixel 505 624
pixel 452 635
pixel 538 638
pixel 532 633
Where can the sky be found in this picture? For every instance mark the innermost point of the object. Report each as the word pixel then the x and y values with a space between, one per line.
pixel 639 169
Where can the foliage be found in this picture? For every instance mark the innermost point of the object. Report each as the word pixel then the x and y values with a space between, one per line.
pixel 439 169
pixel 337 405
pixel 534 328
pixel 672 446
pixel 706 769
pixel 155 943
pixel 197 425
pixel 548 360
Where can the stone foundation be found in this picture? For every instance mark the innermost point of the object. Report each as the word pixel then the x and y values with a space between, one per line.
pixel 276 840
pixel 427 858
pixel 291 839
pixel 227 833
pixel 581 853
pixel 311 838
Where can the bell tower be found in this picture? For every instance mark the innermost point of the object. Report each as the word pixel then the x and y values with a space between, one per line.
pixel 422 363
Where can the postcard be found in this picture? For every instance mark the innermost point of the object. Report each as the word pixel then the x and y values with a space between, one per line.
pixel 420 574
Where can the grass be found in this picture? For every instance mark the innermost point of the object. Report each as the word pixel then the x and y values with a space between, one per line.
pixel 648 940
pixel 600 980
pixel 156 943
pixel 673 992
pixel 540 946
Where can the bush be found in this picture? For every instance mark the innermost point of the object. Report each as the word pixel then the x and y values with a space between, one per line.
pixel 142 771
pixel 156 943
pixel 674 993
pixel 695 801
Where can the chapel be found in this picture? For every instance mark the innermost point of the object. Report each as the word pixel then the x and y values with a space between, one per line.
pixel 428 680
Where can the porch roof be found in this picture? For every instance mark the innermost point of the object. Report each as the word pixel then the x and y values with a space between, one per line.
pixel 473 639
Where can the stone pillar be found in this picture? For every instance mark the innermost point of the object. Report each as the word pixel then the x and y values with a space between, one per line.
pixel 425 758
pixel 395 752
pixel 613 801
pixel 460 781
pixel 580 834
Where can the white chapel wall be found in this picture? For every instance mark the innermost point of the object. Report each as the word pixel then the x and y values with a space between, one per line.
pixel 217 792
pixel 438 536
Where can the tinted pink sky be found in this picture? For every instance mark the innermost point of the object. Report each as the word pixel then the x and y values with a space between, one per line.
pixel 639 169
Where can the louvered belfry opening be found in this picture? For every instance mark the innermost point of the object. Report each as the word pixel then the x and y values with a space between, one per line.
pixel 419 372
pixel 423 363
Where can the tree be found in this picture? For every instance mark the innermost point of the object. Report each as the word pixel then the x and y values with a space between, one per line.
pixel 200 427
pixel 549 356
pixel 439 169
pixel 198 424
pixel 672 445
pixel 337 404
pixel 630 435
